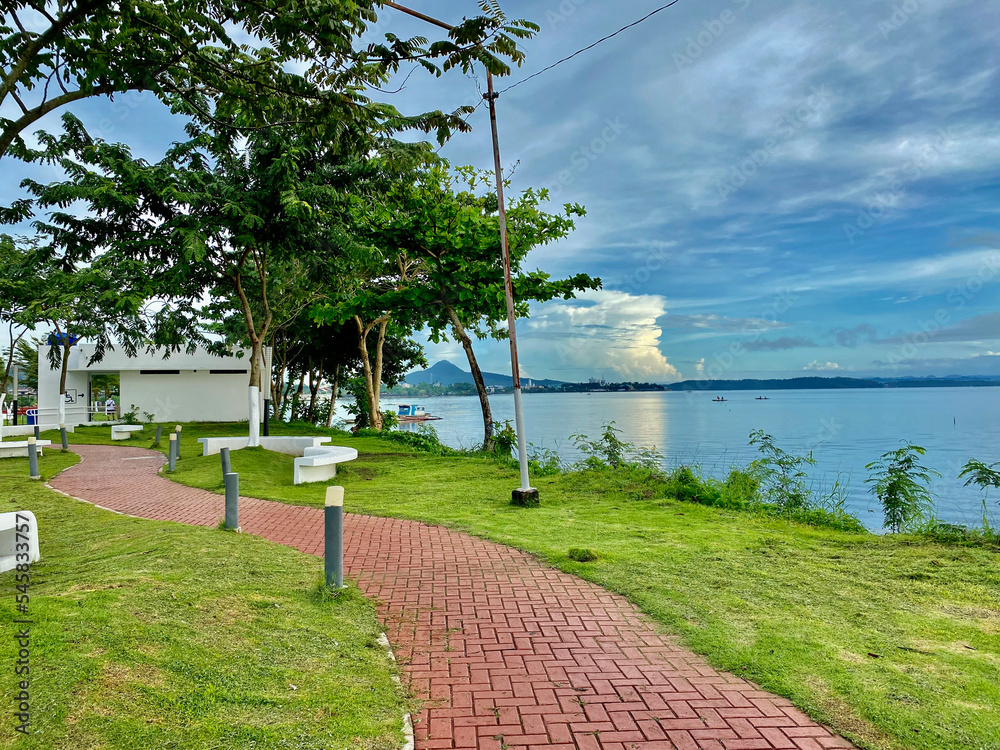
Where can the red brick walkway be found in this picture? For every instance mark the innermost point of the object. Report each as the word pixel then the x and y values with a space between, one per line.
pixel 505 652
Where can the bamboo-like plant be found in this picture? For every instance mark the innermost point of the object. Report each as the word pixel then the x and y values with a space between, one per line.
pixel 900 482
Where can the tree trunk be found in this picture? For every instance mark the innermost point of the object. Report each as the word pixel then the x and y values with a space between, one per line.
pixel 333 395
pixel 10 359
pixel 62 384
pixel 477 376
pixel 373 374
pixel 314 380
pixel 297 396
pixel 253 394
pixel 256 358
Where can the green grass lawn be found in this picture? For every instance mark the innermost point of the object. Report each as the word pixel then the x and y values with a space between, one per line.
pixel 893 641
pixel 158 635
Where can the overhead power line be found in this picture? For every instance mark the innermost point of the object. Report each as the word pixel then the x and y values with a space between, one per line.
pixel 591 46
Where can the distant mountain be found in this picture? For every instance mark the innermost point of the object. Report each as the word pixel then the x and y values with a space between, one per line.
pixel 446 373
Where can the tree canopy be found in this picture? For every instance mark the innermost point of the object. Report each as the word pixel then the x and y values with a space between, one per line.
pixel 227 62
pixel 440 244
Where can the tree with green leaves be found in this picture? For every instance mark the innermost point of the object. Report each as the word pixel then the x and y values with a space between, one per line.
pixel 985 476
pixel 899 481
pixel 25 356
pixel 213 221
pixel 85 302
pixel 228 62
pixel 371 302
pixel 207 221
pixel 17 289
pixel 449 233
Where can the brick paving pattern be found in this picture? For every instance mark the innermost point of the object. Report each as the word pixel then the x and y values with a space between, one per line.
pixel 506 653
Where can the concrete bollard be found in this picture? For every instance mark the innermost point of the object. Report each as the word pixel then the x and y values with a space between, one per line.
pixel 232 501
pixel 333 537
pixel 62 434
pixel 177 431
pixel 227 466
pixel 172 452
pixel 33 459
pixel 159 433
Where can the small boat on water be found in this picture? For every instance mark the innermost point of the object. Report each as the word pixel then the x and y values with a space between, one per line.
pixel 408 413
pixel 719 399
pixel 763 398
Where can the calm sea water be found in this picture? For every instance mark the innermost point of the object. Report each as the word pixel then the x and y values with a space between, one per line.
pixel 843 429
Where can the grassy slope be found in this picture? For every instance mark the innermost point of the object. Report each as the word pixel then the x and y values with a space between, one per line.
pixel 153 634
pixel 895 643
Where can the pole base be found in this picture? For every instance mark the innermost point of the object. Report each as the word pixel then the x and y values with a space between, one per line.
pixel 524 498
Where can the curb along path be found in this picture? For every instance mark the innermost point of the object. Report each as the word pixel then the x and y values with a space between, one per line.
pixel 504 651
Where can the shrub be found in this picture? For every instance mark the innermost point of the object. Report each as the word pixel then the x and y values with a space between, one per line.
pixel 505 439
pixel 425 439
pixel 543 462
pixel 610 451
pixel 582 554
pixel 781 475
pixel 900 484
pixel 683 484
pixel 984 476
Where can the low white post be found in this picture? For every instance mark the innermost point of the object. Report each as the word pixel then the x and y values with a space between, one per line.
pixel 254 412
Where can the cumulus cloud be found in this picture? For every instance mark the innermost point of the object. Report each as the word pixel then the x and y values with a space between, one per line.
pixel 817 366
pixel 602 331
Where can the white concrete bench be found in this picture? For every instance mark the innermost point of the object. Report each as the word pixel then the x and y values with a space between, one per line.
pixel 292 446
pixel 13 448
pixel 16 528
pixel 124 431
pixel 320 464
pixel 29 429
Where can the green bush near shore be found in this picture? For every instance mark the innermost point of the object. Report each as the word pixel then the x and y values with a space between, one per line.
pixel 893 640
pixel 153 635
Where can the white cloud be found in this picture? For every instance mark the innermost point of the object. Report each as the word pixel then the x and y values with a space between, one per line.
pixel 817 366
pixel 601 331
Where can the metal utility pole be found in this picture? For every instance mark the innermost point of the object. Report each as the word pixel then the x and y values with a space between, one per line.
pixel 526 495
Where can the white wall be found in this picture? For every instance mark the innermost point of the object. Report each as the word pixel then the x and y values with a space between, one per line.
pixel 188 397
pixel 48 392
pixel 195 394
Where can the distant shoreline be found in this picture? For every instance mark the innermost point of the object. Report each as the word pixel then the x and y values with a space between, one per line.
pixel 711 386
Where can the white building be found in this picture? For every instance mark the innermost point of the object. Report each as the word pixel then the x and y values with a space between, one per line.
pixel 181 388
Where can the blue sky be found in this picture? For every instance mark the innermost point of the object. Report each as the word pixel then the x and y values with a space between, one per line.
pixel 774 189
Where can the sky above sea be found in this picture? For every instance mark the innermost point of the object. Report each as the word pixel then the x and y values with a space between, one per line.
pixel 773 189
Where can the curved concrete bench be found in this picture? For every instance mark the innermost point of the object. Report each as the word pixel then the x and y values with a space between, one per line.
pixel 320 464
pixel 124 431
pixel 14 448
pixel 16 530
pixel 292 446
